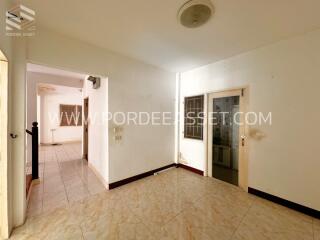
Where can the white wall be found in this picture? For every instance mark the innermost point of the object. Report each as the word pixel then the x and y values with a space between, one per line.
pixel 143 148
pixel 33 79
pixel 50 118
pixel 98 144
pixel 283 78
pixel 132 86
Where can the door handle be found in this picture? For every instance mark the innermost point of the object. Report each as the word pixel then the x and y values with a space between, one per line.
pixel 13 136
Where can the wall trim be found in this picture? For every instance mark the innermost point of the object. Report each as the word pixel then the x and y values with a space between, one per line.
pixel 139 176
pixel 295 206
pixel 99 176
pixel 194 170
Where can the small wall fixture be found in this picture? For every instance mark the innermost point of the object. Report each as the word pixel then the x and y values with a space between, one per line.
pixel 195 13
pixel 95 81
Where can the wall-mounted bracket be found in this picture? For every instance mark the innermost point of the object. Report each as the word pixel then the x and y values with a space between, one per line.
pixel 95 81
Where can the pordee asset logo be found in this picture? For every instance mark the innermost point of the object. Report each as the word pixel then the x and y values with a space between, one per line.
pixel 20 22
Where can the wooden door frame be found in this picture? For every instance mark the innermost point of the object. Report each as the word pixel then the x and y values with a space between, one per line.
pixel 243 132
pixel 85 143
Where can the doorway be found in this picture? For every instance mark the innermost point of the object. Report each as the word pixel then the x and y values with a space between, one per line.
pixel 85 128
pixel 54 101
pixel 226 137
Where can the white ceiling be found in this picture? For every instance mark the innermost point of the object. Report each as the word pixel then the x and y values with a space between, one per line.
pixel 58 89
pixel 148 30
pixel 54 71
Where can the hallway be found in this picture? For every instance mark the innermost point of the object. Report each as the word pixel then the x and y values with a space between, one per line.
pixel 64 179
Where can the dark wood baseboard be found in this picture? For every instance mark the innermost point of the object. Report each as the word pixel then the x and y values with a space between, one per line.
pixel 295 206
pixel 194 170
pixel 137 177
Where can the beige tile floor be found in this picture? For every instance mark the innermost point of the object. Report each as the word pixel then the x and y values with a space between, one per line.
pixel 64 179
pixel 175 204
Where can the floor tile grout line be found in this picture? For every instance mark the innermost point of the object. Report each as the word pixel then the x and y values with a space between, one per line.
pixel 56 157
pixel 81 179
pixel 48 154
pixel 81 231
pixel 44 169
pixel 70 154
pixel 45 156
pixel 246 213
pixel 78 172
pixel 42 186
pixel 51 154
pixel 313 229
pixel 170 219
pixel 141 220
pixel 65 189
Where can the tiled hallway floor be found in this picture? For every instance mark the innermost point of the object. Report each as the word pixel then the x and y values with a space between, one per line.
pixel 175 204
pixel 64 179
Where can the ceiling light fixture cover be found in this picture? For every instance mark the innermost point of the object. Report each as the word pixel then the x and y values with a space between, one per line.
pixel 195 13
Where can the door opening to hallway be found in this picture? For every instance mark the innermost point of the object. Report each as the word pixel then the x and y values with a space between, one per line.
pixel 86 128
pixel 53 112
pixel 58 101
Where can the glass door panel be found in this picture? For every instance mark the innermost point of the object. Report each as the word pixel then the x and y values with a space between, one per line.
pixel 225 139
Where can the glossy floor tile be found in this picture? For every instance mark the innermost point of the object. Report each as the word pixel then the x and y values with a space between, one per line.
pixel 65 178
pixel 174 204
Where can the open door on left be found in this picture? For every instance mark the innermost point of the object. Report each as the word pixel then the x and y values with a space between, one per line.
pixel 85 128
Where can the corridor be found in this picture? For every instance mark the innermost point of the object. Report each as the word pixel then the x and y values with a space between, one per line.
pixel 64 179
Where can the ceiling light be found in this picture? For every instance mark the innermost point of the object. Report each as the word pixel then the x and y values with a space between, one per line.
pixel 195 13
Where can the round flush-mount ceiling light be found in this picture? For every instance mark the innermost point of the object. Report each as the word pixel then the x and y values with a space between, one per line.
pixel 195 13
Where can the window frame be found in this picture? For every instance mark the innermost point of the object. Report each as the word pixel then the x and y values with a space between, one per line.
pixel 197 108
pixel 76 109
